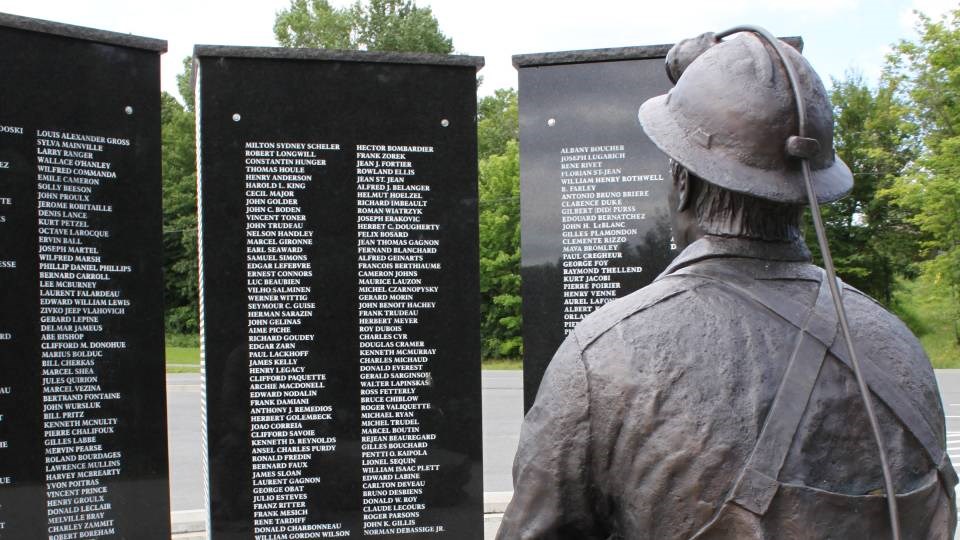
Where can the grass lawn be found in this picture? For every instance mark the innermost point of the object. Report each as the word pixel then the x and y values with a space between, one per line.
pixel 183 369
pixel 933 317
pixel 501 363
pixel 184 359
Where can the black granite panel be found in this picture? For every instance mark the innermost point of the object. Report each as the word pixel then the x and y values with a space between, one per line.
pixel 82 33
pixel 83 446
pixel 586 56
pixel 293 53
pixel 340 297
pixel 613 54
pixel 595 224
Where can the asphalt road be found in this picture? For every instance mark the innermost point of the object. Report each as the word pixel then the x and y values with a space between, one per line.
pixel 184 441
pixel 502 414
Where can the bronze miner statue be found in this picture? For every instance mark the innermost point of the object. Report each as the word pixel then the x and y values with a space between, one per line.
pixel 721 401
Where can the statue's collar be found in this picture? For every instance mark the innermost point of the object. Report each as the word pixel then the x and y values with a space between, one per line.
pixel 710 247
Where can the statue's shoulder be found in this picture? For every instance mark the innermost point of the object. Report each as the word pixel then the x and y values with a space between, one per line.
pixel 881 333
pixel 606 317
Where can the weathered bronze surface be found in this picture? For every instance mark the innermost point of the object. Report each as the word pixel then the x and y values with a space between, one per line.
pixel 718 402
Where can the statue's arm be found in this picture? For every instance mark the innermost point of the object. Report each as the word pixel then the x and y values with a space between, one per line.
pixel 552 490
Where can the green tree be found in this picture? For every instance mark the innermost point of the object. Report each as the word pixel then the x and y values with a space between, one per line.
pixel 497 122
pixel 870 239
pixel 185 84
pixel 499 152
pixel 500 253
pixel 498 149
pixel 376 25
pixel 180 208
pixel 930 190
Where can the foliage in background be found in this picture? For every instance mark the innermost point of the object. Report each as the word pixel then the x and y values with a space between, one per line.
pixel 376 25
pixel 179 165
pixel 500 254
pixel 870 239
pixel 499 151
pixel 929 191
pixel 185 84
pixel 183 340
pixel 498 122
pixel 930 314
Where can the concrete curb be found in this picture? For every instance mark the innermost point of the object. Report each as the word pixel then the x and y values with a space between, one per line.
pixel 189 524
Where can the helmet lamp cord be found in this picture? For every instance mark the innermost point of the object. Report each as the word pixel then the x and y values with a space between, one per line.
pixel 829 267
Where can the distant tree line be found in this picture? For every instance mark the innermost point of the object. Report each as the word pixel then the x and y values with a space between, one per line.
pixel 901 138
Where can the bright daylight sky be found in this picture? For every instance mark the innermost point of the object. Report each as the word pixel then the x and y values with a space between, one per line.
pixel 839 34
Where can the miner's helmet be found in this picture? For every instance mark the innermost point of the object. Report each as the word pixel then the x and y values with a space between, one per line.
pixel 730 115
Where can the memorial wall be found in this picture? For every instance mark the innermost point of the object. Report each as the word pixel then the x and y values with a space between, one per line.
pixel 83 439
pixel 340 293
pixel 595 224
pixel 594 219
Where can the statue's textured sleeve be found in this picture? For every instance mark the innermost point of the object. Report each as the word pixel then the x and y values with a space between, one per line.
pixel 551 497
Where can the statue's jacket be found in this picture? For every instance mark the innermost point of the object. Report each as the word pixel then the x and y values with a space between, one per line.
pixel 718 402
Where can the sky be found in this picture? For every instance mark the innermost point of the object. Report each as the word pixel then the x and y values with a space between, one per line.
pixel 839 35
